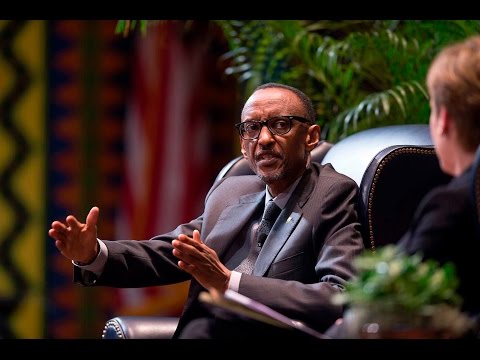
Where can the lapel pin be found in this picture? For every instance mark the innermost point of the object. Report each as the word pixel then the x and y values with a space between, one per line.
pixel 289 219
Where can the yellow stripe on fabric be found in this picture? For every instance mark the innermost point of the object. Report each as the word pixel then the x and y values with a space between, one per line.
pixel 29 183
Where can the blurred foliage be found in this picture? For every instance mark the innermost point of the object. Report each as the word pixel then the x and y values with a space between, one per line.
pixel 359 73
pixel 125 26
pixel 390 279
pixel 400 291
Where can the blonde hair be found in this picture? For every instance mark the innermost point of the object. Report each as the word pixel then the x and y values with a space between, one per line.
pixel 453 81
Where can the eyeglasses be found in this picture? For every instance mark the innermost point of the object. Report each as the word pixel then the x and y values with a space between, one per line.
pixel 278 125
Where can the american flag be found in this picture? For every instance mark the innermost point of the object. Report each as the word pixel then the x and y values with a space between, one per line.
pixel 166 150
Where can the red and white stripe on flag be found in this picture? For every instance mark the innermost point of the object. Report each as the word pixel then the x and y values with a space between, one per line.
pixel 166 152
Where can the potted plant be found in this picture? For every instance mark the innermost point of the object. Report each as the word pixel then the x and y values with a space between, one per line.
pixel 400 296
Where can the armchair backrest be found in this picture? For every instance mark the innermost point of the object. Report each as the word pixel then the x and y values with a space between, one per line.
pixel 394 167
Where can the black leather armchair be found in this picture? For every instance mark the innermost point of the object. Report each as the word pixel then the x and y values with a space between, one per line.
pixel 140 327
pixel 394 167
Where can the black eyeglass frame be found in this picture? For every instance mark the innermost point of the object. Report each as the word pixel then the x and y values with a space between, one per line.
pixel 265 123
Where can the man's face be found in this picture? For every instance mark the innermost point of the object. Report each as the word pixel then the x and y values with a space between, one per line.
pixel 277 159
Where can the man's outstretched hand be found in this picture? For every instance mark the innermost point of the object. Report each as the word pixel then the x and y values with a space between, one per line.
pixel 201 262
pixel 77 241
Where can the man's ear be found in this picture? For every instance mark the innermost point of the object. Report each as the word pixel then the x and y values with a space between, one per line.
pixel 244 152
pixel 444 121
pixel 313 136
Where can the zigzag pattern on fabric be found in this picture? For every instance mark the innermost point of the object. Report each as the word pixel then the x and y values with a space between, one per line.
pixel 20 151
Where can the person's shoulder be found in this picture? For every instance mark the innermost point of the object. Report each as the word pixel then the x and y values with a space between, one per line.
pixel 455 194
pixel 327 171
pixel 239 184
pixel 457 187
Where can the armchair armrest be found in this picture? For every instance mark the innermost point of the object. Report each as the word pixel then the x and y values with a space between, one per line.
pixel 140 327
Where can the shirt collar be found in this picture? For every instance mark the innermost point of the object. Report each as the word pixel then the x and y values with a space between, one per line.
pixel 282 198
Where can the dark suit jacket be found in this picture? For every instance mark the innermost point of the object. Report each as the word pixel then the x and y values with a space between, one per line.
pixel 444 228
pixel 306 258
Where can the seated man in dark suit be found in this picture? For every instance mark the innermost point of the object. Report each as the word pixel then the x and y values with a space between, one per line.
pixel 445 227
pixel 292 261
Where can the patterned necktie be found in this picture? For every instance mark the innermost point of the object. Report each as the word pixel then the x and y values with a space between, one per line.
pixel 269 216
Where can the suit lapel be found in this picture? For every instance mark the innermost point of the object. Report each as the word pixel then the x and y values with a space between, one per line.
pixel 232 220
pixel 285 224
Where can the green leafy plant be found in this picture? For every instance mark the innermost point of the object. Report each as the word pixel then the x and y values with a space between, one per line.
pixel 125 26
pixel 390 279
pixel 397 287
pixel 359 73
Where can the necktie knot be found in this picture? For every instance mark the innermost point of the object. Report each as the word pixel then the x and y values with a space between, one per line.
pixel 269 216
pixel 271 212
